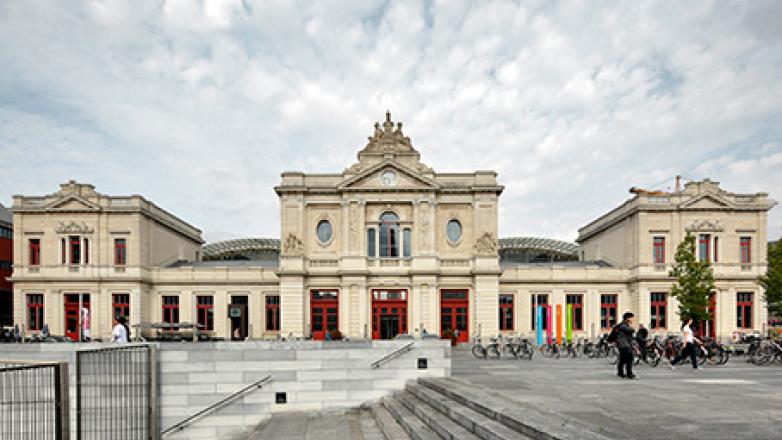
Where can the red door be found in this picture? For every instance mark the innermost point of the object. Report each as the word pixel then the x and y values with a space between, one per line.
pixel 389 313
pixel 72 314
pixel 454 308
pixel 324 313
pixel 706 328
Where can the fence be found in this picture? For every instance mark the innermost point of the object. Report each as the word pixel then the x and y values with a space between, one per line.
pixel 34 400
pixel 116 393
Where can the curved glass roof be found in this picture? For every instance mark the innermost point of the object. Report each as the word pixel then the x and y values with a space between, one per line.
pixel 538 244
pixel 219 249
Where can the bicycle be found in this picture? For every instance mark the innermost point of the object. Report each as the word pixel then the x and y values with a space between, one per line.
pixel 481 351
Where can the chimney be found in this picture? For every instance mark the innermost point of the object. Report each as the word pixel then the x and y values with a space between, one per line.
pixel 678 183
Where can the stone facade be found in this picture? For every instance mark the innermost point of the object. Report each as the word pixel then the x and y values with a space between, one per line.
pixel 387 246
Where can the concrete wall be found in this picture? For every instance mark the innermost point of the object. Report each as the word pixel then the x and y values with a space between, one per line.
pixel 314 375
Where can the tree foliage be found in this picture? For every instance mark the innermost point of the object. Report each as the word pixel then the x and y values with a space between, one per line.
pixel 772 280
pixel 694 281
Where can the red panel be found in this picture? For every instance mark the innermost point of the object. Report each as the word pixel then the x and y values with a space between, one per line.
pixel 454 313
pixel 389 309
pixel 324 313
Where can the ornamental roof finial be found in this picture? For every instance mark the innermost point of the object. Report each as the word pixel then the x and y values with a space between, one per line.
pixel 388 115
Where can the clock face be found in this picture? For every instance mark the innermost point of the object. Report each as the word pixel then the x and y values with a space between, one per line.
pixel 388 178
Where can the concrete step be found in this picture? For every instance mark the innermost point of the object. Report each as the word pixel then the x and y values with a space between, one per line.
pixel 387 423
pixel 476 423
pixel 415 428
pixel 369 427
pixel 437 421
pixel 526 419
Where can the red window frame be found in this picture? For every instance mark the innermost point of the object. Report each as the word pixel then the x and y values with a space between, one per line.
pixel 35 251
pixel 576 300
pixel 120 305
pixel 120 252
pixel 35 311
pixel 272 305
pixel 171 309
pixel 205 311
pixel 658 254
pixel 745 250
pixel 744 303
pixel 658 310
pixel 75 249
pixel 536 301
pixel 506 312
pixel 704 242
pixel 609 315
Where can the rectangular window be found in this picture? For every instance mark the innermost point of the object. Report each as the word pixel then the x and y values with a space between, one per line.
pixel 273 313
pixel 506 312
pixel 120 305
pixel 205 312
pixel 371 251
pixel 171 309
pixel 539 299
pixel 35 311
pixel 62 250
pixel 704 247
pixel 407 241
pixel 744 309
pixel 35 251
pixel 74 241
pixel 86 251
pixel 716 249
pixel 745 250
pixel 120 254
pixel 577 304
pixel 658 309
pixel 659 250
pixel 608 313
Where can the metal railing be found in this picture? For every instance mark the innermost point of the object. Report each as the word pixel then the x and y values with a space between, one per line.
pixel 217 405
pixel 116 393
pixel 392 355
pixel 34 400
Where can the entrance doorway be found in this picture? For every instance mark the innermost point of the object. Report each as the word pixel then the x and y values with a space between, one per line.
pixel 72 315
pixel 706 328
pixel 454 308
pixel 389 313
pixel 237 312
pixel 324 313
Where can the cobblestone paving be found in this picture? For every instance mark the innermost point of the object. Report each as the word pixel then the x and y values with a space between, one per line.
pixel 735 401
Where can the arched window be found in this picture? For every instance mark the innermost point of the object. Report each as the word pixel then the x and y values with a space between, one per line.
pixel 389 235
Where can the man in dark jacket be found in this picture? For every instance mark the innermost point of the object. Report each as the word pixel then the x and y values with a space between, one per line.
pixel 641 336
pixel 624 342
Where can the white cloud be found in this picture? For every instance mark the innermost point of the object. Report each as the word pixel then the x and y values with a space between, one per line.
pixel 199 105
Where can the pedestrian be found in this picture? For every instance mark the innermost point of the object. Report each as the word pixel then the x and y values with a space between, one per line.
pixel 688 345
pixel 624 342
pixel 120 332
pixel 641 336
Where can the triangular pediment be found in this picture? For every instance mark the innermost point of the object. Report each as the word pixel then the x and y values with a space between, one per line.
pixel 388 176
pixel 72 203
pixel 706 201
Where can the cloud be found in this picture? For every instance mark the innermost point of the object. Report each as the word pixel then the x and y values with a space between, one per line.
pixel 200 105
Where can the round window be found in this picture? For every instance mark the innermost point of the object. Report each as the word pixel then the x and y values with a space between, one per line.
pixel 324 231
pixel 453 230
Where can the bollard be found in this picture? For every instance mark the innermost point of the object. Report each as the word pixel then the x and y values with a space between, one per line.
pixel 559 324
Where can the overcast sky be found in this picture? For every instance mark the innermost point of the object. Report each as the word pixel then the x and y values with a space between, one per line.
pixel 200 106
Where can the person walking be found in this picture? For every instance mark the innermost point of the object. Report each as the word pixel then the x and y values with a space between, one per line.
pixel 624 342
pixel 120 331
pixel 688 346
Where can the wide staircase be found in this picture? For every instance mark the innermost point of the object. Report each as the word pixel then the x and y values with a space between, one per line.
pixel 453 409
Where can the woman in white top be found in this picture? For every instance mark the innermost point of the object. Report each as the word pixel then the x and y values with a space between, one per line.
pixel 120 332
pixel 688 345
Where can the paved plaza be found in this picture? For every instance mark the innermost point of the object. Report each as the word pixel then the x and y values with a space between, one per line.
pixel 738 400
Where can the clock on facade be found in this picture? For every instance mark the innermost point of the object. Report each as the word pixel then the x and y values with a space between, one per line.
pixel 388 177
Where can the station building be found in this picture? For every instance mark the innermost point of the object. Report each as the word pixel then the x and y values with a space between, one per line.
pixel 387 246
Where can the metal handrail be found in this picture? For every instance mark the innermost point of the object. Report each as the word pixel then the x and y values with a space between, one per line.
pixel 396 353
pixel 213 407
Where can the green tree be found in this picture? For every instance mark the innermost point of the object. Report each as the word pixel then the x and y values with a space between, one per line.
pixel 772 281
pixel 694 281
